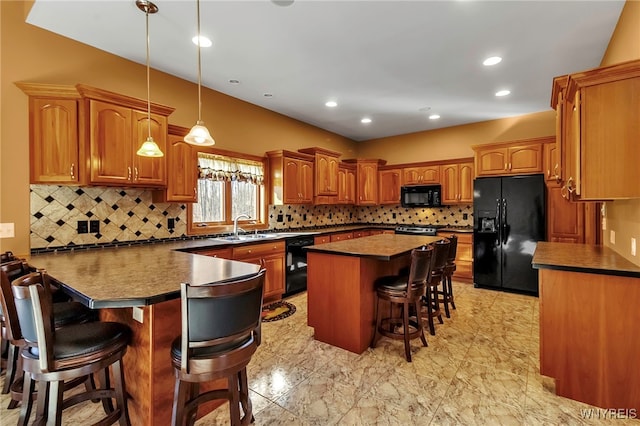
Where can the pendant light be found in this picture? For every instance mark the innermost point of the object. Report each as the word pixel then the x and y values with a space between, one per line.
pixel 199 134
pixel 149 147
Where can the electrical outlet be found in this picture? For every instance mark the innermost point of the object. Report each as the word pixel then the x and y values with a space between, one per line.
pixel 83 227
pixel 171 223
pixel 7 230
pixel 465 216
pixel 304 216
pixel 633 246
pixel 94 226
pixel 612 236
pixel 138 314
pixel 280 218
pixel 393 215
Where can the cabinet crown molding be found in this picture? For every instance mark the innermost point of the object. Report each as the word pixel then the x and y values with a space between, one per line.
pixel 318 150
pixel 122 100
pixel 290 154
pixel 42 90
pixel 507 144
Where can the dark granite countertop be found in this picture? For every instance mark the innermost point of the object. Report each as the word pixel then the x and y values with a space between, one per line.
pixel 582 258
pixel 382 247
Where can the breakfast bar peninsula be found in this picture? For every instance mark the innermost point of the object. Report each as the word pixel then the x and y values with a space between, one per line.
pixel 340 285
pixel 140 286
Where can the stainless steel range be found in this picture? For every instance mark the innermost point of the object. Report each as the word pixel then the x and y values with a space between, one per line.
pixel 429 230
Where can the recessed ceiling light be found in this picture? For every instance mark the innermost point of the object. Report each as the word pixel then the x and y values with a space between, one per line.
pixel 331 104
pixel 492 61
pixel 503 93
pixel 204 41
pixel 234 81
pixel 434 117
pixel 365 120
pixel 267 95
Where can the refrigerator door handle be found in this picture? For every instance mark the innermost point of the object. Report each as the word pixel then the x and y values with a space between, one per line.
pixel 499 221
pixel 504 221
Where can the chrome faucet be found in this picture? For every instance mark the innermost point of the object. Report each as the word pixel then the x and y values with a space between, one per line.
pixel 235 223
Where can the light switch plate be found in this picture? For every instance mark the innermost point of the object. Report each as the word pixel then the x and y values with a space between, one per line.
pixel 138 314
pixel 7 230
pixel 633 246
pixel 612 236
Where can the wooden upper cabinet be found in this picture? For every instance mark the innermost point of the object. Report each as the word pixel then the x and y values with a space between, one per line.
pixel 116 134
pixel 522 157
pixel 291 177
pixel 418 175
pixel 182 170
pixel 326 170
pixel 54 147
pixel 550 162
pixel 457 183
pixel 558 102
pixel 565 219
pixel 603 129
pixel 346 184
pixel 390 182
pixel 366 180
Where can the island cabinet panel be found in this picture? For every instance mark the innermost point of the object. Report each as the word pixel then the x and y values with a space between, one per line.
pixel 291 177
pixel 389 188
pixel 421 175
pixel 182 176
pixel 148 371
pixel 457 183
pixel 589 337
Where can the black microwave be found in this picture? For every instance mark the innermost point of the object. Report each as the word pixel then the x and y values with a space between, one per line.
pixel 421 196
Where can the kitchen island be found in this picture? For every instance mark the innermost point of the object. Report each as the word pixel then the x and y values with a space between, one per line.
pixel 589 316
pixel 140 286
pixel 340 289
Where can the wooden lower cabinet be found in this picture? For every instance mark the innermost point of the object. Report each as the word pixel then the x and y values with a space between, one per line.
pixel 360 234
pixel 464 256
pixel 341 236
pixel 381 231
pixel 270 255
pixel 321 239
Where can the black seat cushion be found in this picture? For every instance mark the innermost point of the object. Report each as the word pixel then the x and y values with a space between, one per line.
pixel 67 313
pixel 84 339
pixel 392 283
pixel 210 351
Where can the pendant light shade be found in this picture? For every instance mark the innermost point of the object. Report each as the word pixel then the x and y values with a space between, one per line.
pixel 149 147
pixel 199 134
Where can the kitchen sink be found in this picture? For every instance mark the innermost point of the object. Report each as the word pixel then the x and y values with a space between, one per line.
pixel 247 237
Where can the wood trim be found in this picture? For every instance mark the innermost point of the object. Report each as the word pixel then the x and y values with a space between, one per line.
pixel 507 144
pixel 318 150
pixel 621 71
pixel 122 100
pixel 177 130
pixel 40 90
pixel 365 160
pixel 559 85
pixel 291 154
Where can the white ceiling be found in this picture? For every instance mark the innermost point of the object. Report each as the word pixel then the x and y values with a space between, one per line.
pixel 386 60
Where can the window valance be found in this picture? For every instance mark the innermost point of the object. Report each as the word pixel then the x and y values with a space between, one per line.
pixel 220 168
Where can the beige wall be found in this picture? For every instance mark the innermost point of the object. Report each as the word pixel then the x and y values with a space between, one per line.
pixel 35 55
pixel 623 217
pixel 455 142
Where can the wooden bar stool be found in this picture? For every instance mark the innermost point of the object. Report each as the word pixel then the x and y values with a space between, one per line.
pixel 53 356
pixel 430 298
pixel 64 313
pixel 404 292
pixel 220 333
pixel 446 295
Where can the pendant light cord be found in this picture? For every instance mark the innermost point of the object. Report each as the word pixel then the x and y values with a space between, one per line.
pixel 199 66
pixel 148 85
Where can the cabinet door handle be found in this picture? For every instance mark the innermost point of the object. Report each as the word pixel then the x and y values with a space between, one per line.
pixel 128 173
pixel 135 169
pixel 72 171
pixel 505 166
pixel 509 166
pixel 195 192
pixel 564 192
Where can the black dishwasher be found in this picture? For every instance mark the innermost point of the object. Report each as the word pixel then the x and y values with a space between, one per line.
pixel 296 269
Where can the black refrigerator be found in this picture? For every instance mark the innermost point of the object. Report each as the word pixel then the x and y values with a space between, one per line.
pixel 508 221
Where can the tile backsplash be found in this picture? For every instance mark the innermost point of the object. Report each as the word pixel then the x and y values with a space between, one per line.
pixel 60 213
pixel 297 216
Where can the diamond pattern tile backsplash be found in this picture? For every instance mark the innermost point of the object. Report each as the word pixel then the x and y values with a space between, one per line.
pixel 121 214
pixel 297 216
pixel 125 215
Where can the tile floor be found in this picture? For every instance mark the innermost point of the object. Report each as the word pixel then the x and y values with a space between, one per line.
pixel 481 368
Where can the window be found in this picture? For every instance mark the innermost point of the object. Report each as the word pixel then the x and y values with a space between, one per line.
pixel 227 187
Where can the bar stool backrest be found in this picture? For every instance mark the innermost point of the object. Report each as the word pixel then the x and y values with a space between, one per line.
pixel 10 271
pixel 421 260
